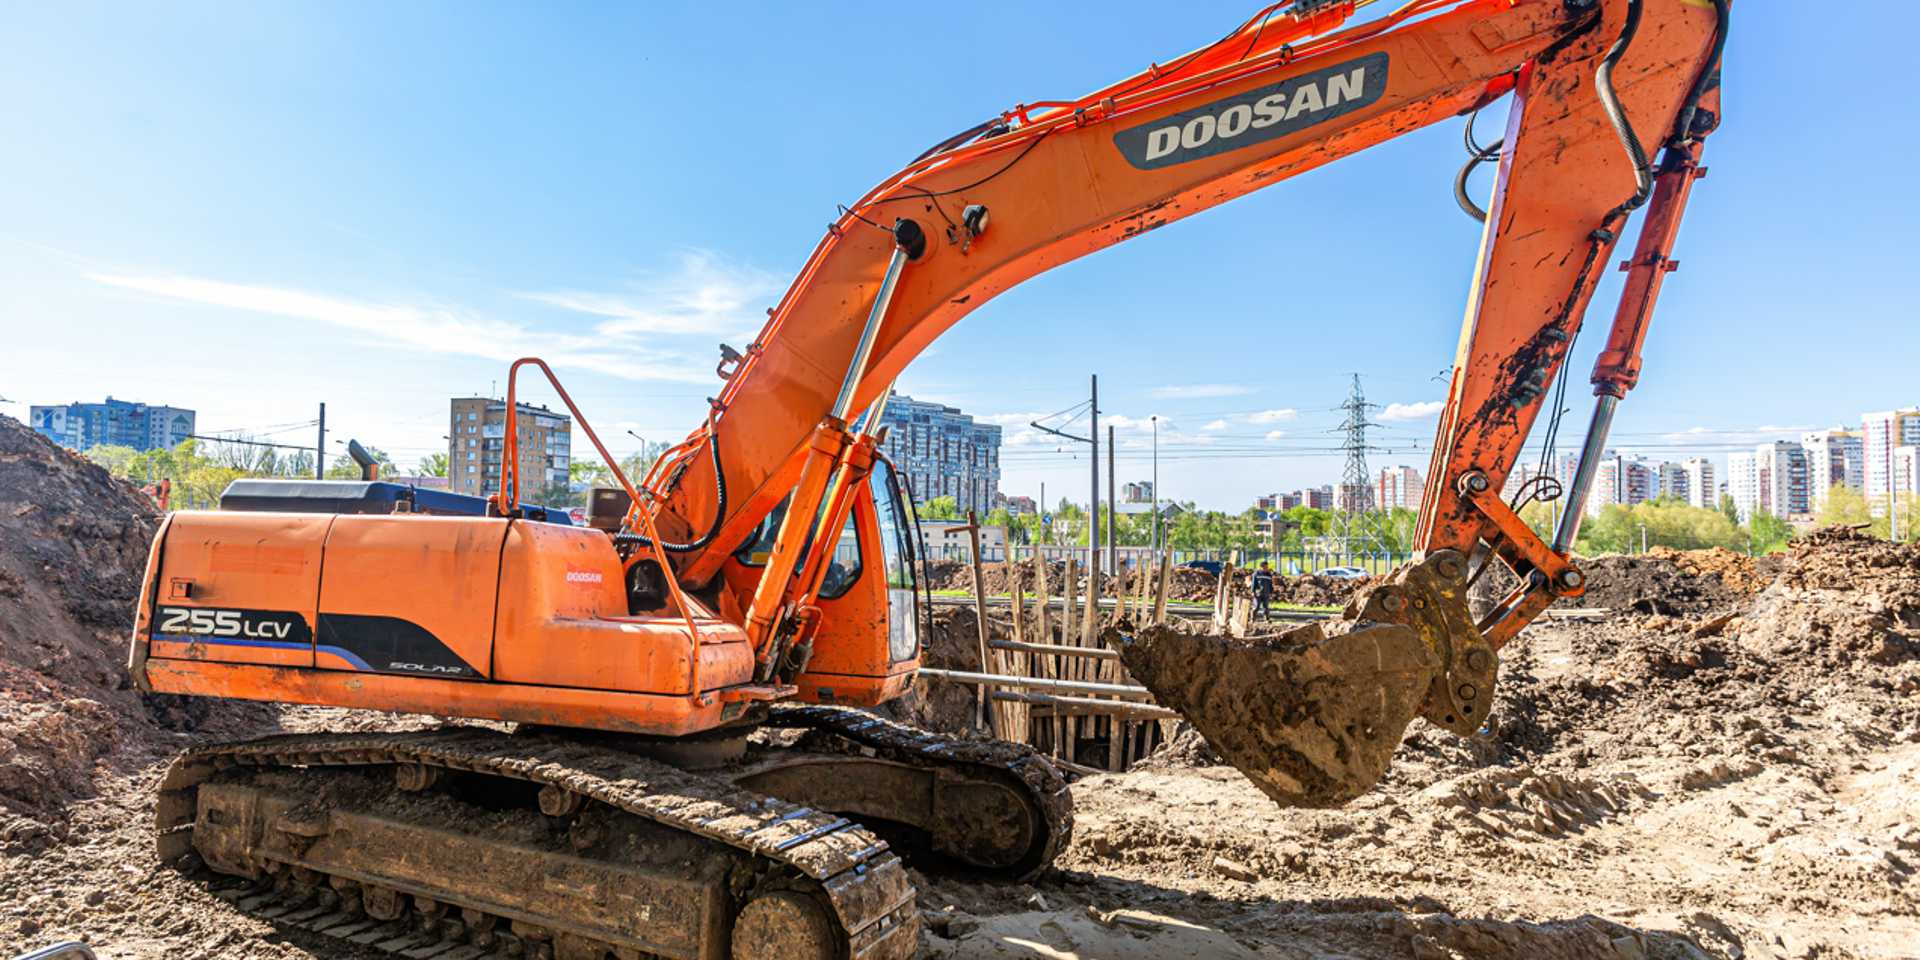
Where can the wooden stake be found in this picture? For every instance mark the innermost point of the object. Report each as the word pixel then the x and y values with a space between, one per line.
pixel 980 621
pixel 1166 585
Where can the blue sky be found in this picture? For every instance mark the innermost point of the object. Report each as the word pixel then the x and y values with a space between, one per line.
pixel 250 208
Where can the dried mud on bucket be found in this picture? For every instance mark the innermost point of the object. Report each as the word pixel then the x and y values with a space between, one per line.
pixel 1311 717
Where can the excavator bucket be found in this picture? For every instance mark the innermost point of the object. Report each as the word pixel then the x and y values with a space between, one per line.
pixel 1311 718
pixel 1312 715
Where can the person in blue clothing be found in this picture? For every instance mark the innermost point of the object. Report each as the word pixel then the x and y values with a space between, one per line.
pixel 1263 589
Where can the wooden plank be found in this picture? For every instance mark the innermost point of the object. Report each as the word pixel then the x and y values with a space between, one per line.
pixel 1123 691
pixel 1097 653
pixel 1059 704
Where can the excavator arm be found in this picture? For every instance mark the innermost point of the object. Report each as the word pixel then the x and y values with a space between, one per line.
pixel 1593 82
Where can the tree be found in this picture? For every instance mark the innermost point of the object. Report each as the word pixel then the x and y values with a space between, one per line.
pixel 198 481
pixel 1770 533
pixel 432 465
pixel 940 508
pixel 1847 507
pixel 1727 507
pixel 343 467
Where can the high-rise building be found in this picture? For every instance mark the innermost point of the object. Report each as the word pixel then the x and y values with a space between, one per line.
pixel 1772 478
pixel 1835 458
pixel 82 426
pixel 1318 498
pixel 476 444
pixel 1620 480
pixel 1703 486
pixel 1139 491
pixel 1906 474
pixel 1743 484
pixel 1671 482
pixel 1883 433
pixel 943 452
pixel 1400 487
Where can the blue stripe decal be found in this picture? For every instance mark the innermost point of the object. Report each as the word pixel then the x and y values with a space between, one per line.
pixel 340 652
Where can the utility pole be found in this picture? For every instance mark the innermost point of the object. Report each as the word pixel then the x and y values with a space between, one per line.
pixel 1113 549
pixel 1352 511
pixel 1093 501
pixel 1155 420
pixel 320 447
pixel 1046 528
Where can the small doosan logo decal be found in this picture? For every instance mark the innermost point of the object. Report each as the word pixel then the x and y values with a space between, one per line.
pixel 1256 116
pixel 585 576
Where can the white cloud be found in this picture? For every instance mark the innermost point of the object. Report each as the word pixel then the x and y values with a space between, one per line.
pixel 704 295
pixel 1214 426
pixel 1274 416
pixel 426 327
pixel 1200 391
pixel 1008 419
pixel 1412 411
pixel 1736 435
pixel 1275 434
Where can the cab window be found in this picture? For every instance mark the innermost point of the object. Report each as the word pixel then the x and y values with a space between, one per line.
pixel 842 570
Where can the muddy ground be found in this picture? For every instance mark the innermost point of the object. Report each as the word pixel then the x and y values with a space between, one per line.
pixel 1737 775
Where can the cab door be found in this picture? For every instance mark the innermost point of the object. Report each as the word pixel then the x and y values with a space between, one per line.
pixel 868 644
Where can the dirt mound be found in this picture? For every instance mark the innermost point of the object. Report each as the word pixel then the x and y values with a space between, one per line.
pixel 73 545
pixel 951 708
pixel 1306 590
pixel 1843 597
pixel 1739 573
pixel 1759 753
pixel 1660 581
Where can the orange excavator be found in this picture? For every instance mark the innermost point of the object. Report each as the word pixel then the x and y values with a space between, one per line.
pixel 660 755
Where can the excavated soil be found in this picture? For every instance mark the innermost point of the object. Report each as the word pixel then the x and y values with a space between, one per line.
pixel 1733 779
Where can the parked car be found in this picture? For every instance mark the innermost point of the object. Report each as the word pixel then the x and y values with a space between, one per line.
pixel 1211 567
pixel 1346 573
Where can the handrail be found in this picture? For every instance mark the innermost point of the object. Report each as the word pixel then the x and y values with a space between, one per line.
pixel 506 499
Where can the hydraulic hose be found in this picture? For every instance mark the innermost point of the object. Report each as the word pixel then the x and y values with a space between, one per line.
pixel 1683 131
pixel 1483 155
pixel 719 510
pixel 1616 115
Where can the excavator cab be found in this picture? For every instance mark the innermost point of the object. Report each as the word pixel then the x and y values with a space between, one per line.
pixel 871 578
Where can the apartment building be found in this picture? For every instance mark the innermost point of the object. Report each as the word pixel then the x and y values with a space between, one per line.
pixel 943 452
pixel 1772 478
pixel 1621 480
pixel 120 423
pixel 1703 483
pixel 1671 481
pixel 1401 487
pixel 1835 458
pixel 476 446
pixel 1883 434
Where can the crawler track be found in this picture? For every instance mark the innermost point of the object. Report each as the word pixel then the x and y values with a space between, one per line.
pixel 1014 767
pixel 564 874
